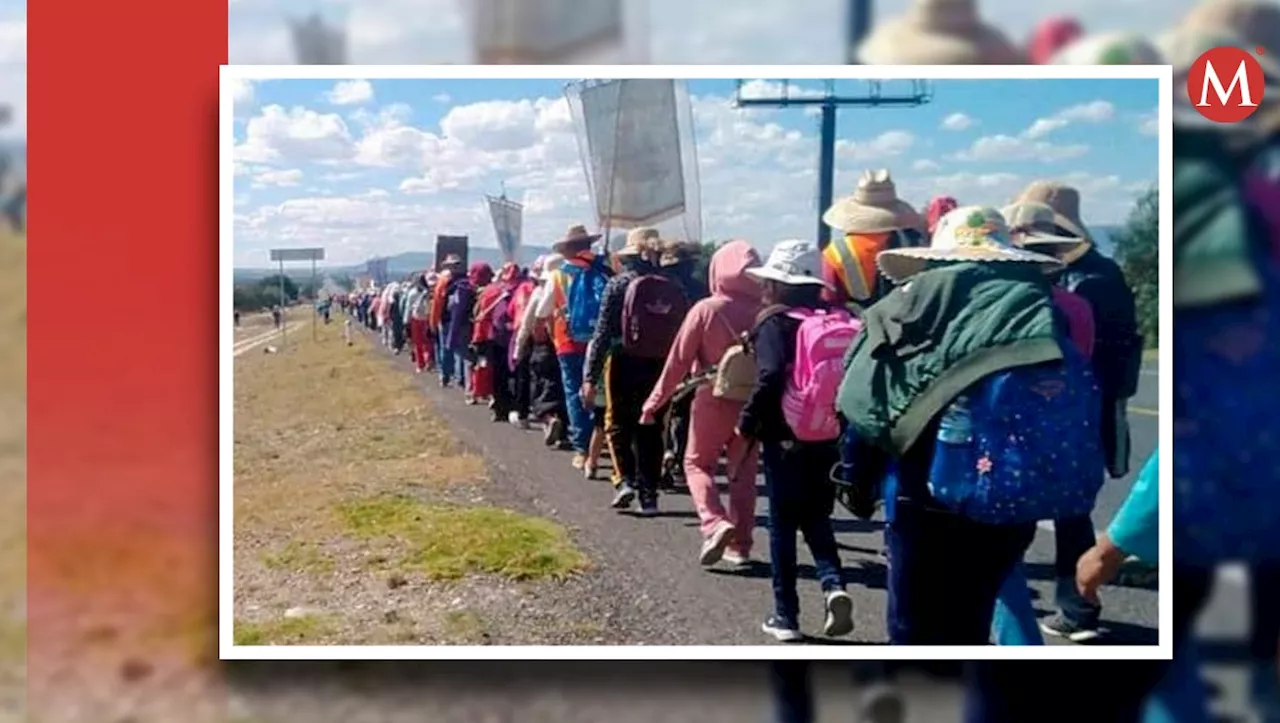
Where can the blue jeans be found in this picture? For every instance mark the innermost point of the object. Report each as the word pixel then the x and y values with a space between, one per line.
pixel 580 424
pixel 450 364
pixel 945 573
pixel 1014 622
pixel 1072 538
pixel 801 499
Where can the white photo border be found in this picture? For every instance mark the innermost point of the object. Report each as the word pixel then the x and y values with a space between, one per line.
pixel 227 648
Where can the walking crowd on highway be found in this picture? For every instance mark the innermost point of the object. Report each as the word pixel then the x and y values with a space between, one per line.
pixel 966 369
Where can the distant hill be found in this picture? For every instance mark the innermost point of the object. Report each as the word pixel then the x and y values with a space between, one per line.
pixel 408 262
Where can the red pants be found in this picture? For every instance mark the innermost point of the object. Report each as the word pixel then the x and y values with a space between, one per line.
pixel 423 349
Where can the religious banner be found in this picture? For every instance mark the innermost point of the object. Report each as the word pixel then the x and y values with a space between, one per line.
pixel 507 216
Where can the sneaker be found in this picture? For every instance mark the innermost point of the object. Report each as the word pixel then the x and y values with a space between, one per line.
pixel 589 471
pixel 736 560
pixel 1060 626
pixel 784 631
pixel 713 547
pixel 882 703
pixel 649 508
pixel 517 421
pixel 552 432
pixel 623 497
pixel 470 400
pixel 579 460
pixel 839 614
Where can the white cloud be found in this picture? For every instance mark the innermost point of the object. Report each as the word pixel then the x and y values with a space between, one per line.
pixel 290 177
pixel 442 97
pixel 351 92
pixel 925 164
pixel 1098 111
pixel 1149 124
pixel 1000 148
pixel 889 144
pixel 957 122
pixel 297 134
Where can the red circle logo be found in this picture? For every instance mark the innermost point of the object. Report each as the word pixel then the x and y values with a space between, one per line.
pixel 1226 84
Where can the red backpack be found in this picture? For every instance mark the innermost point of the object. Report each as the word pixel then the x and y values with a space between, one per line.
pixel 652 311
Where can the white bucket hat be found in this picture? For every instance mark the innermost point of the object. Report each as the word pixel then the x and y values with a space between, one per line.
pixel 795 263
pixel 938 32
pixel 1110 49
pixel 968 234
pixel 874 207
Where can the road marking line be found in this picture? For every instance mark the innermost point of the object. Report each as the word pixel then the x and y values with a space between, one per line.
pixel 1144 411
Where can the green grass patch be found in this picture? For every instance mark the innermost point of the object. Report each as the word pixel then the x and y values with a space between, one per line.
pixel 299 557
pixel 464 626
pixel 285 631
pixel 448 542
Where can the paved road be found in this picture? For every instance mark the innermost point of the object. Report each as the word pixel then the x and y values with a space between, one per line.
pixel 656 559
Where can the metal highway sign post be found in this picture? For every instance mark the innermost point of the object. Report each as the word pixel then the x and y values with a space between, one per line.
pixel 313 255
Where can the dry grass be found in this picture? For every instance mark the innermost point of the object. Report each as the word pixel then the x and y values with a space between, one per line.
pixel 348 488
pixel 13 470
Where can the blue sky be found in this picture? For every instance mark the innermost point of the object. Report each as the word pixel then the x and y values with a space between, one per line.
pixel 379 167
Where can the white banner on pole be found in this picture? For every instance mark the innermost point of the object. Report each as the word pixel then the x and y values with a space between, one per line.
pixel 544 31
pixel 507 217
pixel 632 150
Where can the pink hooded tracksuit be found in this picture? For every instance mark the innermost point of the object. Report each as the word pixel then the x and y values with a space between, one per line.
pixel 712 326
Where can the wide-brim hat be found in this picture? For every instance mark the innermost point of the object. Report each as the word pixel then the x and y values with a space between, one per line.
pixel 938 32
pixel 1063 200
pixel 1034 226
pixel 874 207
pixel 577 235
pixel 973 234
pixel 794 263
pixel 640 241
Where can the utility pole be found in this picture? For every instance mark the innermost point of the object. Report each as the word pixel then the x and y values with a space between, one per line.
pixel 829 102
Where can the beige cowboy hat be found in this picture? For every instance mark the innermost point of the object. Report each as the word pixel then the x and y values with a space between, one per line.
pixel 976 234
pixel 640 241
pixel 1065 203
pixel 874 207
pixel 938 32
pixel 675 251
pixel 1034 226
pixel 576 235
pixel 1245 24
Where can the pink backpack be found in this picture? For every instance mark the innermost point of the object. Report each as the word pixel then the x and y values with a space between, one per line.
pixel 809 402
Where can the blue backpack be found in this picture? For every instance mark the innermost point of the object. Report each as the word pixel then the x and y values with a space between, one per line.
pixel 584 293
pixel 1226 421
pixel 1023 445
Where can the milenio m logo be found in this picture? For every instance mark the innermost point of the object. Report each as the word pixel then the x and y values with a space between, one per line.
pixel 1226 84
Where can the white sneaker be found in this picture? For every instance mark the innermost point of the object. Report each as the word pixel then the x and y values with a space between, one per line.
pixel 839 614
pixel 713 547
pixel 735 559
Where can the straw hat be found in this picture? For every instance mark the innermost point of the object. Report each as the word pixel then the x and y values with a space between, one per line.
pixel 874 207
pixel 1063 200
pixel 577 235
pixel 640 241
pixel 673 252
pixel 938 32
pixel 1034 226
pixel 1109 49
pixel 967 234
pixel 794 263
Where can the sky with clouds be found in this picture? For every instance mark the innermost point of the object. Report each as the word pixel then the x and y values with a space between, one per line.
pixel 13 66
pixel 378 167
pixel 675 31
